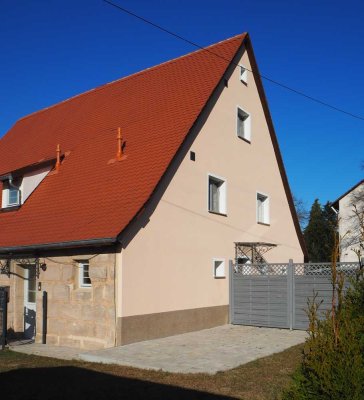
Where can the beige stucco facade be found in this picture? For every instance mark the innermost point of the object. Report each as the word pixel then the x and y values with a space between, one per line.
pixel 160 281
pixel 167 258
pixel 349 224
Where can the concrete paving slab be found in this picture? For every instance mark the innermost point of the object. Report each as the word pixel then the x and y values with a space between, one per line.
pixel 206 351
pixel 45 350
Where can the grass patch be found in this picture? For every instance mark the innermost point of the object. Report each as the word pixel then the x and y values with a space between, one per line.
pixel 32 377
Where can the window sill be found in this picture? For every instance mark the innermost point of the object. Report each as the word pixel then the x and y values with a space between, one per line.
pixel 219 277
pixel 263 223
pixel 10 208
pixel 245 140
pixel 217 213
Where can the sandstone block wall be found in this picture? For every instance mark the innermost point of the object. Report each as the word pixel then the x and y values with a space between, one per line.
pixel 77 317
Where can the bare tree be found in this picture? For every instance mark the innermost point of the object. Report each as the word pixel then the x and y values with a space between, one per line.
pixel 301 211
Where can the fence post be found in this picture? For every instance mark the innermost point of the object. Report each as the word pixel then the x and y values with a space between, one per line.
pixel 290 283
pixel 45 312
pixel 4 307
pixel 231 295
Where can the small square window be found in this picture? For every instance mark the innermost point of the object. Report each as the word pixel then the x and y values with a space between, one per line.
pixel 243 74
pixel 243 124
pixel 84 277
pixel 219 268
pixel 262 209
pixel 11 192
pixel 13 196
pixel 217 195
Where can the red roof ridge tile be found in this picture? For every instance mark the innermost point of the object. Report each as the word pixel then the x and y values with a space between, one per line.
pixel 105 85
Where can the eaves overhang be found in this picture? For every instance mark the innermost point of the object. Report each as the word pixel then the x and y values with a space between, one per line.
pixel 336 202
pixel 31 249
pixel 21 171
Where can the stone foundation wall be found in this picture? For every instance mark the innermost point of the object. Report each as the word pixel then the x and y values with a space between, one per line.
pixel 151 326
pixel 77 317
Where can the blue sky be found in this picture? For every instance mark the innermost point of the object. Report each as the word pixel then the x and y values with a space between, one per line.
pixel 52 50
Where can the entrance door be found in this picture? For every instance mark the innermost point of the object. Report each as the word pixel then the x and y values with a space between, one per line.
pixel 29 302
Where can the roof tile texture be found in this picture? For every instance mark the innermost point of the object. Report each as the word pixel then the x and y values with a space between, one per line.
pixel 91 197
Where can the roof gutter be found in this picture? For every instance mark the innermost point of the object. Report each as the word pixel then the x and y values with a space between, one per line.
pixel 20 171
pixel 59 245
pixel 6 177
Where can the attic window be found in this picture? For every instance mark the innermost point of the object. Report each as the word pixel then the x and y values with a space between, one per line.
pixel 243 74
pixel 243 125
pixel 20 184
pixel 13 196
pixel 11 193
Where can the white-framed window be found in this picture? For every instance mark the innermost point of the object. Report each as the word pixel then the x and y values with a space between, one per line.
pixel 243 74
pixel 262 208
pixel 243 124
pixel 13 196
pixel 216 194
pixel 84 275
pixel 218 265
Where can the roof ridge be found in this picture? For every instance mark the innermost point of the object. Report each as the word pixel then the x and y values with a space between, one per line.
pixel 348 191
pixel 103 86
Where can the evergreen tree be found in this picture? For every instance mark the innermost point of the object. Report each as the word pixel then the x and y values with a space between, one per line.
pixel 320 231
pixel 331 229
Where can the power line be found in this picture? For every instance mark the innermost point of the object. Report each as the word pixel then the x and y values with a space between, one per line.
pixel 282 85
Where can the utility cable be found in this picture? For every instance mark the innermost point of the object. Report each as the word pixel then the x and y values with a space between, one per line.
pixel 282 85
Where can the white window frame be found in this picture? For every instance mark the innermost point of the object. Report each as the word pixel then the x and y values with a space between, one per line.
pixel 247 124
pixel 81 266
pixel 221 273
pixel 243 74
pixel 6 195
pixel 9 190
pixel 266 208
pixel 222 193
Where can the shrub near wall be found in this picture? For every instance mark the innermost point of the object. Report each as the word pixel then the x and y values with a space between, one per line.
pixel 333 358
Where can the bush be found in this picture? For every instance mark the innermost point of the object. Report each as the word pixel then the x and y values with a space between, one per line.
pixel 333 356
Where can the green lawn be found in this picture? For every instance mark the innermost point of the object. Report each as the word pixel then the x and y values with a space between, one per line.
pixel 33 377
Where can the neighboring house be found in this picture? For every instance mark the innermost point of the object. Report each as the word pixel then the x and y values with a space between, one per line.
pixel 131 237
pixel 351 223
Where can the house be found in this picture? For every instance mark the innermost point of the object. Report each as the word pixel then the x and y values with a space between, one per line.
pixel 124 203
pixel 350 206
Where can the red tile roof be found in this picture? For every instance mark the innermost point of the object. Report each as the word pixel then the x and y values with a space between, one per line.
pixel 90 198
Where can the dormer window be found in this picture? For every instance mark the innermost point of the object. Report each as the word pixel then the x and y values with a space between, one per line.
pixel 11 192
pixel 19 185
pixel 13 196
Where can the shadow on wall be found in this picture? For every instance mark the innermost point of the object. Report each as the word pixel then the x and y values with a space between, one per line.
pixel 78 383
